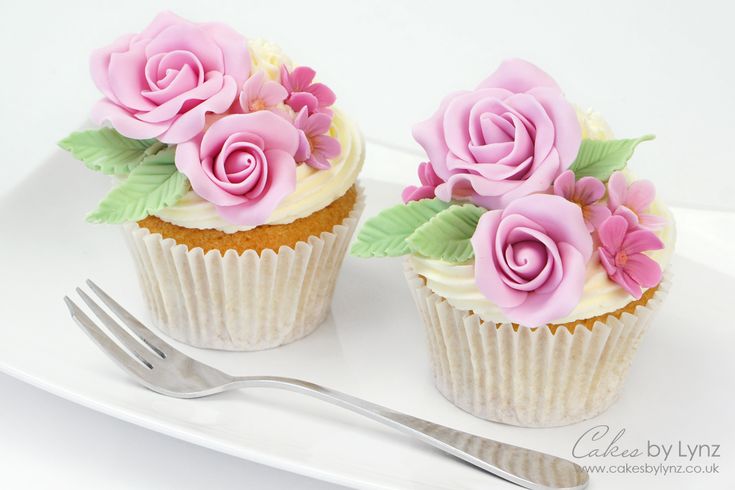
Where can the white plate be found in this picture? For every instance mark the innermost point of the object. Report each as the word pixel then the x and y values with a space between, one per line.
pixel 372 346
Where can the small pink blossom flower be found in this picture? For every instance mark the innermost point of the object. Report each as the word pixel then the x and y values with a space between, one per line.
pixel 316 147
pixel 621 254
pixel 259 94
pixel 316 97
pixel 585 193
pixel 429 180
pixel 632 201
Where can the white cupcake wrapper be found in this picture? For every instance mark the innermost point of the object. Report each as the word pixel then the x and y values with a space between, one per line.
pixel 529 377
pixel 242 301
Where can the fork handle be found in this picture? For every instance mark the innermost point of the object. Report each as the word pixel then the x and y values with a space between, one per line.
pixel 526 467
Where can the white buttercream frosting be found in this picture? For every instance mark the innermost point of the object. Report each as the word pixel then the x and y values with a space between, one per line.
pixel 594 126
pixel 315 189
pixel 267 57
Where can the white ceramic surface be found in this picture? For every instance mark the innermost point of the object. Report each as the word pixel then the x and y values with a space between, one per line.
pixel 680 386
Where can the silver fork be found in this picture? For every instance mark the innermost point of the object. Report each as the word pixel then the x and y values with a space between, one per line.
pixel 161 368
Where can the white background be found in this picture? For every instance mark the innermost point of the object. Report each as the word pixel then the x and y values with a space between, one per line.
pixel 658 67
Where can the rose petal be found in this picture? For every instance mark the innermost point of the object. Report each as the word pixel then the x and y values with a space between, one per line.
pixel 540 309
pixel 567 131
pixel 562 220
pixel 457 117
pixel 531 110
pixel 127 78
pixel 233 45
pixel 430 135
pixel 549 277
pixel 487 273
pixel 100 61
pixel 213 85
pixel 185 80
pixel 277 133
pixel 490 127
pixel 413 193
pixel 188 162
pixel 518 76
pixel 189 124
pixel 281 183
pixel 538 180
pixel 188 37
pixel 125 122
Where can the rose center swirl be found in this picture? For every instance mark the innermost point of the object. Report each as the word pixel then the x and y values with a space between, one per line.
pixel 240 168
pixel 528 260
pixel 172 74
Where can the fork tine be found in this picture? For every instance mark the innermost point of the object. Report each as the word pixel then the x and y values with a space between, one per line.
pixel 141 331
pixel 106 343
pixel 127 340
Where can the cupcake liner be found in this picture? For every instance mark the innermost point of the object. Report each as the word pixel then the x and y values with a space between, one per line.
pixel 245 301
pixel 529 377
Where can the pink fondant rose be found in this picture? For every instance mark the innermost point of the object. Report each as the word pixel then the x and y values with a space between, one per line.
pixel 531 256
pixel 161 83
pixel 510 137
pixel 243 164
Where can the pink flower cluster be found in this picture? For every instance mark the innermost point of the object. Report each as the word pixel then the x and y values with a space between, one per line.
pixel 507 146
pixel 305 103
pixel 191 85
pixel 531 255
pixel 623 225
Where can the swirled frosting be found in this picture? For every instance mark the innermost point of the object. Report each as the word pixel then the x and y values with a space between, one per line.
pixel 315 189
pixel 456 282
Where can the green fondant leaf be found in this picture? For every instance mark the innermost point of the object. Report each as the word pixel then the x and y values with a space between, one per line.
pixel 151 186
pixel 600 158
pixel 107 151
pixel 447 235
pixel 385 235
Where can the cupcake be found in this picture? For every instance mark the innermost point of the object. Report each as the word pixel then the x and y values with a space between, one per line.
pixel 536 259
pixel 235 181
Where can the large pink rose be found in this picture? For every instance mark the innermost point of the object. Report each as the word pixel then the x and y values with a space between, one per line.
pixel 531 256
pixel 510 137
pixel 161 83
pixel 243 164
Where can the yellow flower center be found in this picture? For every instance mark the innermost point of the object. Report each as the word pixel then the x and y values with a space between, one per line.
pixel 257 105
